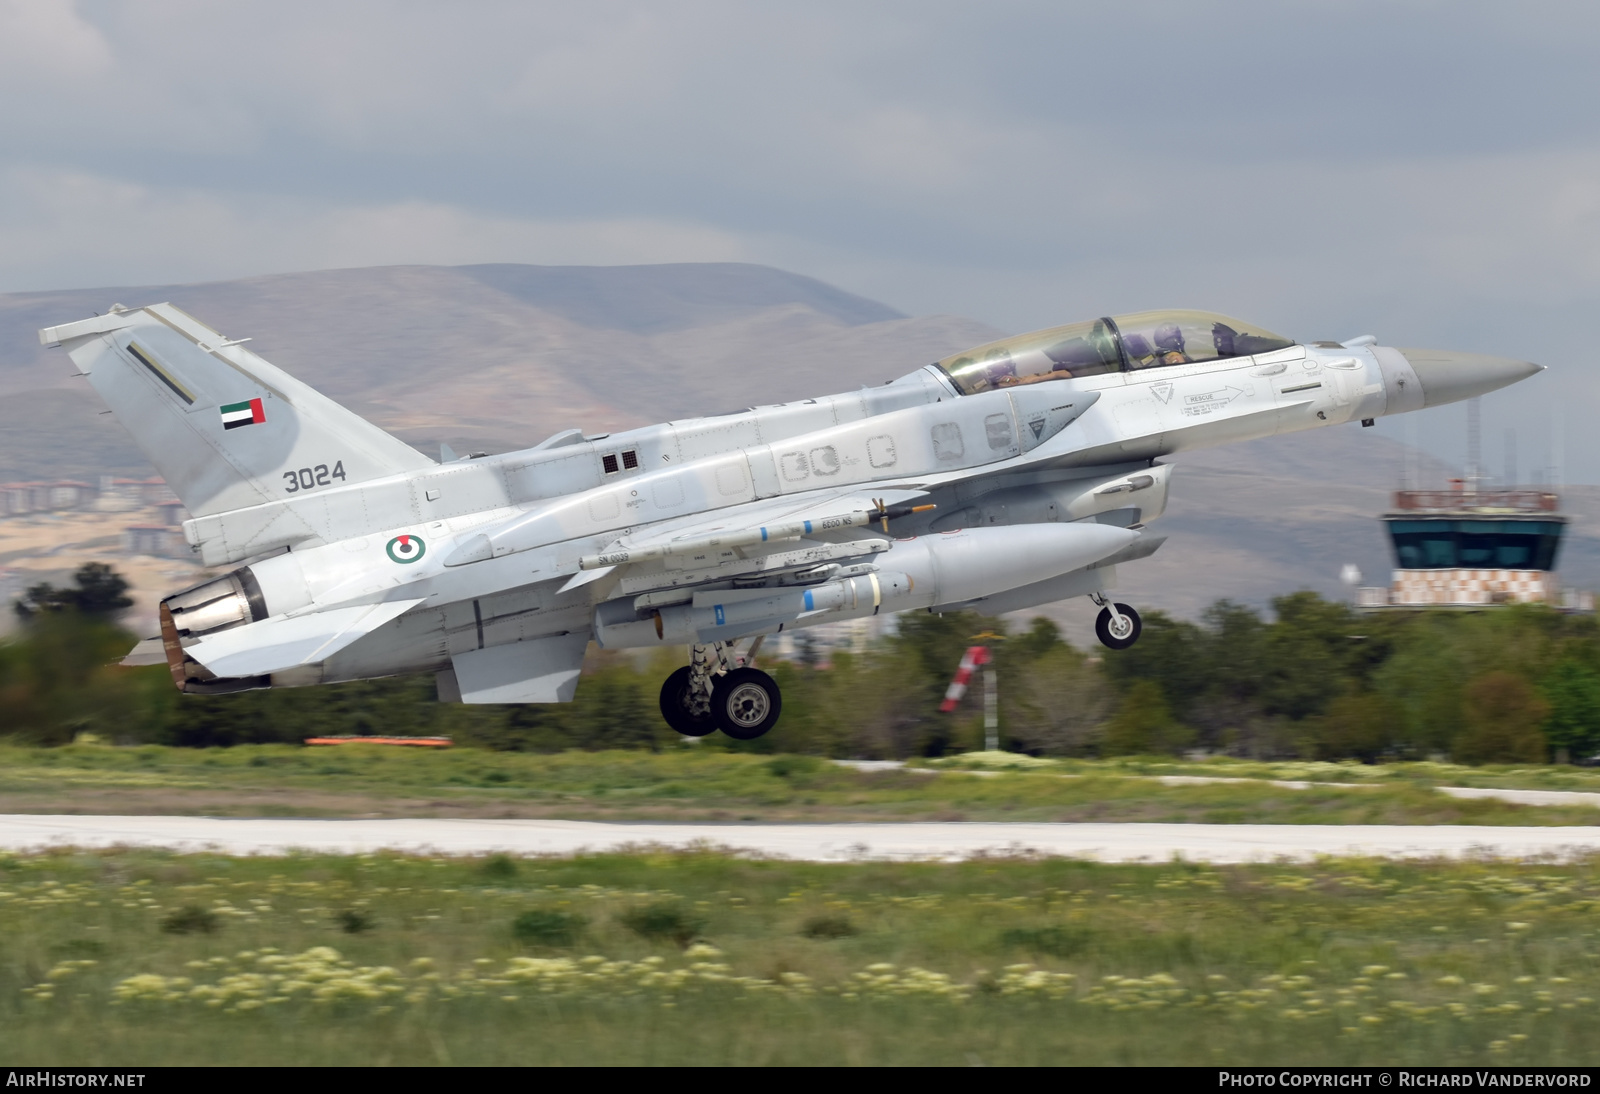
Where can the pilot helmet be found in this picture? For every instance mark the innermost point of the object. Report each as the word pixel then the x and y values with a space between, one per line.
pixel 998 365
pixel 1169 339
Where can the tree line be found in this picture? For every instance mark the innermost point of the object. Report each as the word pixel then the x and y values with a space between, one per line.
pixel 1310 679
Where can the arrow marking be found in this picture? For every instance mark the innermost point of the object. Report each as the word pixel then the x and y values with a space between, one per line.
pixel 1206 402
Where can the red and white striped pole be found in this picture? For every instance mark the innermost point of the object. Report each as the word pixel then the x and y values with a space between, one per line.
pixel 974 657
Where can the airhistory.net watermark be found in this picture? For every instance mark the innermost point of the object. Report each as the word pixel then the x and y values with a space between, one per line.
pixel 43 1077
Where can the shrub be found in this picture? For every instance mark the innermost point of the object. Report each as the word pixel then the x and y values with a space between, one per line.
pixel 1502 714
pixel 828 926
pixel 500 867
pixel 663 920
pixel 1573 691
pixel 1056 941
pixel 191 919
pixel 1359 724
pixel 548 927
pixel 1145 724
pixel 354 921
pixel 783 767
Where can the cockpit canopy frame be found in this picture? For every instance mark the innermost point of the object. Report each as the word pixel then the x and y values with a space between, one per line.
pixel 1123 343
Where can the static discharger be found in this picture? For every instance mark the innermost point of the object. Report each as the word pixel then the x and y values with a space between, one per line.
pixel 745 537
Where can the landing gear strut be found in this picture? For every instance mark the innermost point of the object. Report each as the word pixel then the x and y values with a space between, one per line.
pixel 712 693
pixel 1118 625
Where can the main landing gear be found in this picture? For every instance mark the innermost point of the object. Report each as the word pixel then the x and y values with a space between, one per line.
pixel 1118 625
pixel 709 694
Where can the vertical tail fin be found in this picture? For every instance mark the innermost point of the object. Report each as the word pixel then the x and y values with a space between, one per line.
pixel 225 428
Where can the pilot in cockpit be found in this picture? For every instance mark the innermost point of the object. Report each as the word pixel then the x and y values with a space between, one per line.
pixel 1000 369
pixel 1169 344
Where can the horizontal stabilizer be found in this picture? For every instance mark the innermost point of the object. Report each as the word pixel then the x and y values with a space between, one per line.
pixel 148 652
pixel 274 645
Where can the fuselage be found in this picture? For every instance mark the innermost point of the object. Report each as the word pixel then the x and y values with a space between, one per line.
pixel 1062 427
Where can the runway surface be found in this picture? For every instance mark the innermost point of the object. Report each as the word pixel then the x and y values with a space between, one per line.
pixel 809 842
pixel 1521 797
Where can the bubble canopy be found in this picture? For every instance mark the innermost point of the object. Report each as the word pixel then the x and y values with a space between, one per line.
pixel 1122 343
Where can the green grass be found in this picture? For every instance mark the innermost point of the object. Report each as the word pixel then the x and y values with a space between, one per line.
pixel 1348 772
pixel 700 784
pixel 701 958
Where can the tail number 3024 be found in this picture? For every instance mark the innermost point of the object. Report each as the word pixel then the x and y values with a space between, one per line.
pixel 309 478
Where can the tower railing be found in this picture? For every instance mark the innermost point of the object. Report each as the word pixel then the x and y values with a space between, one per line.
pixel 1528 501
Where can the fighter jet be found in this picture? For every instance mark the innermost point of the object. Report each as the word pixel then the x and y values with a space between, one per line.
pixel 1019 473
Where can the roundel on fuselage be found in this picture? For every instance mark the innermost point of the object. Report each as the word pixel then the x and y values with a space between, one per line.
pixel 406 549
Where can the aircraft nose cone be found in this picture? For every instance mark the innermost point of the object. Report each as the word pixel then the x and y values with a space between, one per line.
pixel 1447 377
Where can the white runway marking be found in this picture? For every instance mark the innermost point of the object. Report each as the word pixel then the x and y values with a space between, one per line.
pixel 809 842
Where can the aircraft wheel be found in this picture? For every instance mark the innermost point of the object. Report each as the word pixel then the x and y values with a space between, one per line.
pixel 675 707
pixel 1118 634
pixel 746 703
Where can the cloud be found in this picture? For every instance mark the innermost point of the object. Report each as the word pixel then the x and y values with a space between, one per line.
pixel 1423 171
pixel 48 41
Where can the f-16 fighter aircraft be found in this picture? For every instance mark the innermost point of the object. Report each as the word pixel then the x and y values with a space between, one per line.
pixel 1018 473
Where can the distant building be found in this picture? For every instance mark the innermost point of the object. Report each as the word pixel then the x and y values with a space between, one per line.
pixel 1471 548
pixel 21 498
pixel 16 498
pixel 126 495
pixel 158 540
pixel 109 495
pixel 71 495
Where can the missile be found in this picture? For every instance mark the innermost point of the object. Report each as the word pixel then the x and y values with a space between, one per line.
pixel 745 537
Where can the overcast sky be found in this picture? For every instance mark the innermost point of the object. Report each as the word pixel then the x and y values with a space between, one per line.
pixel 1428 172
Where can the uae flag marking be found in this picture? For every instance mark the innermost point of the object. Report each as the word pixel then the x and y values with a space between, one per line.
pixel 235 415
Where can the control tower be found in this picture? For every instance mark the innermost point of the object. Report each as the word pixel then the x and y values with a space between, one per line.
pixel 1471 548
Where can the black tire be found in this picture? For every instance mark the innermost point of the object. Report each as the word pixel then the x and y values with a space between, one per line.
pixel 1102 628
pixel 675 707
pixel 745 703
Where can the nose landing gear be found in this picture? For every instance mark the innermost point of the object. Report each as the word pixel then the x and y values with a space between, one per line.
pixel 708 695
pixel 1118 625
